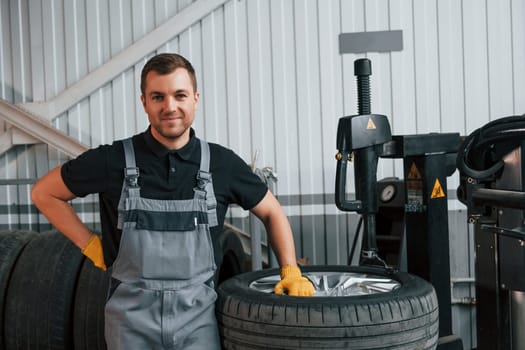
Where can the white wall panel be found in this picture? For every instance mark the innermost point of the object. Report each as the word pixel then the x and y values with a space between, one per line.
pixel 213 103
pixel 518 54
pixel 475 63
pixel 403 118
pixel 403 71
pixel 37 50
pixel 237 85
pixel 451 85
pixel 6 90
pixel 309 121
pixel 21 67
pixel 284 87
pixel 499 27
pixel 426 66
pixel 97 29
pixel 331 99
pixel 517 11
pixel 308 92
pixel 56 52
pixel 261 98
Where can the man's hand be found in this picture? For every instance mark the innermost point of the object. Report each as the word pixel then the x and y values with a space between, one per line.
pixel 93 250
pixel 293 282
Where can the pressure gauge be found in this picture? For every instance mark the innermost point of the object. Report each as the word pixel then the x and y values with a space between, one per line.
pixel 388 193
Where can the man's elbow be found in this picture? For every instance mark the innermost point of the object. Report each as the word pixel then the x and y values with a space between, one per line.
pixel 38 196
pixel 41 196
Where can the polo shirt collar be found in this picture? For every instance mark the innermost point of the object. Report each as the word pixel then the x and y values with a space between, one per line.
pixel 161 151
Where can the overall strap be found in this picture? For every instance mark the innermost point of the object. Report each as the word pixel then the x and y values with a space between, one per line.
pixel 204 183
pixel 130 186
pixel 131 172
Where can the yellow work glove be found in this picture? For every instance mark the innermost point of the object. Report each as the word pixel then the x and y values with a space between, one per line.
pixel 293 283
pixel 93 250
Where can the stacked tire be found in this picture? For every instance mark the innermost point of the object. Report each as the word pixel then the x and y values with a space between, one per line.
pixel 51 297
pixel 11 245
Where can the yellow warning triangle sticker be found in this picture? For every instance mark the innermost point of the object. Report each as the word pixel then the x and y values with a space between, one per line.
pixel 413 174
pixel 370 124
pixel 437 191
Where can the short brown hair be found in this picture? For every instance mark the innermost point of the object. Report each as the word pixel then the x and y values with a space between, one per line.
pixel 166 63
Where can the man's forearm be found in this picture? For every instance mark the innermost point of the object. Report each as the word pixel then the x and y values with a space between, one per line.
pixel 51 197
pixel 281 240
pixel 278 228
pixel 61 215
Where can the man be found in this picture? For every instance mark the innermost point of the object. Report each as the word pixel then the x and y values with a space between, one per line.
pixel 160 192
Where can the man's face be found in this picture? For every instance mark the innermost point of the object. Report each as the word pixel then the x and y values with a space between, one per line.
pixel 170 102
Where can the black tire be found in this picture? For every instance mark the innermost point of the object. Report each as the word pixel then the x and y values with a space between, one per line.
pixel 405 318
pixel 90 299
pixel 11 244
pixel 40 294
pixel 233 258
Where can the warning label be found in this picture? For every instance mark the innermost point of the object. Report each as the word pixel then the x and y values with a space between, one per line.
pixel 370 124
pixel 414 173
pixel 437 191
pixel 414 186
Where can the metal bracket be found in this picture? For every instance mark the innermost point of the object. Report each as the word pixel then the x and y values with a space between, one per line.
pixel 518 232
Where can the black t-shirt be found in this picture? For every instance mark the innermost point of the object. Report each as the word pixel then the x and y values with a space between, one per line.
pixel 164 174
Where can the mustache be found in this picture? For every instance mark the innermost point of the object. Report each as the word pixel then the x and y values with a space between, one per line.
pixel 167 115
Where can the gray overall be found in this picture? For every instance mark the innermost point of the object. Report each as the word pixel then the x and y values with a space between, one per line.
pixel 161 296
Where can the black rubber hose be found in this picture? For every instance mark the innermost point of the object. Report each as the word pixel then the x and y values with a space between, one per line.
pixel 480 154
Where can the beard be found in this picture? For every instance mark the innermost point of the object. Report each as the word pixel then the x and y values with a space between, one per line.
pixel 168 131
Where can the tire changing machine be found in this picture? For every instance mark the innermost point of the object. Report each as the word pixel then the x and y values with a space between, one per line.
pixel 491 162
pixel 428 161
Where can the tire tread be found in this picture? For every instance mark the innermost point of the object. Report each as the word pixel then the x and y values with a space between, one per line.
pixel 404 319
pixel 40 294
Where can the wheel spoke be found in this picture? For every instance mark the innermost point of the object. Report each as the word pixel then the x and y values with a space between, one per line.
pixel 335 284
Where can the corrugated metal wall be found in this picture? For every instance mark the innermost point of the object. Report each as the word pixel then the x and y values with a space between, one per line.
pixel 272 81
